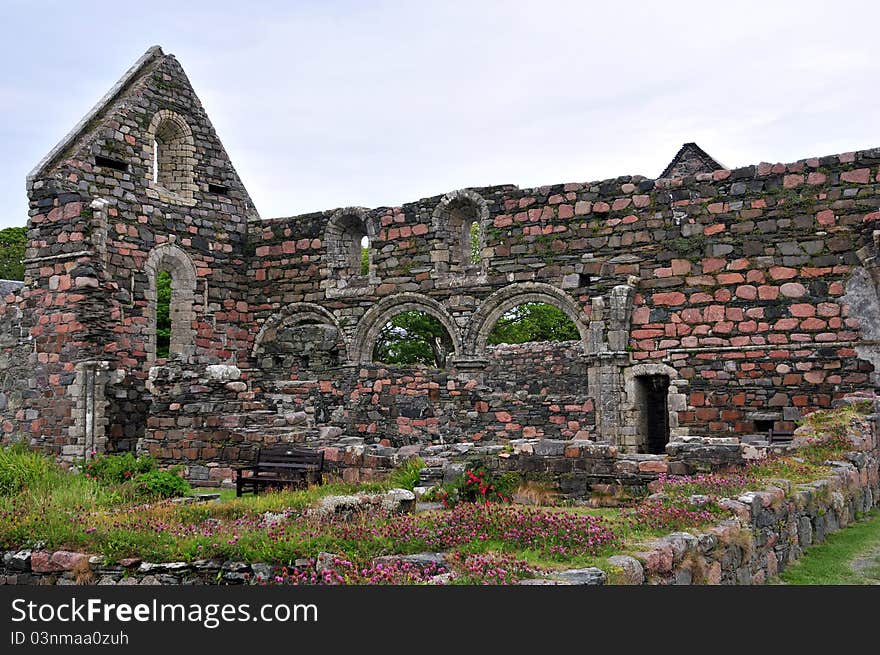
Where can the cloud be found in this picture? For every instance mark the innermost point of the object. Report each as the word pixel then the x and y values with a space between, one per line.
pixel 326 104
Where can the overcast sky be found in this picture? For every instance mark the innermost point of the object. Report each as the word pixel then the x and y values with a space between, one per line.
pixel 335 103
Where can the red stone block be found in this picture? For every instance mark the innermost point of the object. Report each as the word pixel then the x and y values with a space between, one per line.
pixel 709 230
pixel 620 203
pixel 669 298
pixel 825 217
pixel 768 293
pixel 71 210
pixel 793 290
pixel 802 310
pixel 712 264
pixel 61 560
pixel 828 309
pixel 746 292
pixel 733 313
pixel 730 278
pixel 714 313
pixel 641 315
pixel 755 277
pixel 792 181
pixel 680 266
pixel 652 466
pixel 782 272
pixel 858 176
pixel 691 316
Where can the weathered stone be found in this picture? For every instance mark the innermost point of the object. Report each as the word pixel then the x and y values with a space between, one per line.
pixel 626 570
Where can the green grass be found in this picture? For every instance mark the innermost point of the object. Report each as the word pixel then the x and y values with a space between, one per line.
pixel 41 502
pixel 830 563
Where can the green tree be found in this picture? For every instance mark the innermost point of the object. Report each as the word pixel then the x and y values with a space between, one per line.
pixel 413 338
pixel 533 321
pixel 13 242
pixel 163 314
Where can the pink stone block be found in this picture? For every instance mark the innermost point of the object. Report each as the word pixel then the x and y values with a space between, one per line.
pixel 802 310
pixel 858 176
pixel 793 290
pixel 792 181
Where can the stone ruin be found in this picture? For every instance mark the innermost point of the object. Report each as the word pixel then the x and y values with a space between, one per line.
pixel 713 306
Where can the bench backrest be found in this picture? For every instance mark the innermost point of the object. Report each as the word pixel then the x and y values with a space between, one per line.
pixel 290 455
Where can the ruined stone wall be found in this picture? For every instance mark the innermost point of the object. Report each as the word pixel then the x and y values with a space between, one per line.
pixel 737 281
pixel 17 366
pixel 773 527
pixel 527 391
pixel 744 289
pixel 101 229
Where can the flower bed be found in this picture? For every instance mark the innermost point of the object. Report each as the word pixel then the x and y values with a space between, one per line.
pixel 733 519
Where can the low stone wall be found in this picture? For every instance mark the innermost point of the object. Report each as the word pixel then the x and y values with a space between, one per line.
pixel 770 530
pixel 576 468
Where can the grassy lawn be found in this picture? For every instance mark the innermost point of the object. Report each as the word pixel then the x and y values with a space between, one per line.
pixel 122 507
pixel 848 557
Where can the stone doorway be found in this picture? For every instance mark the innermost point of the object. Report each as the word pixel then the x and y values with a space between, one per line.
pixel 651 402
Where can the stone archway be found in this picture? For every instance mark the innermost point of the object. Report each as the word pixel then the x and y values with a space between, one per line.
pixel 320 342
pixel 503 300
pixel 371 324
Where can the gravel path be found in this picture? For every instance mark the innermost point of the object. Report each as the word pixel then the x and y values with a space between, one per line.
pixel 868 566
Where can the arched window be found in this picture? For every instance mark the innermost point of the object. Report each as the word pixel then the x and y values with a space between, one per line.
pixel 459 222
pixel 406 328
pixel 348 242
pixel 365 255
pixel 533 322
pixel 476 235
pixel 413 338
pixel 171 156
pixel 171 279
pixel 526 311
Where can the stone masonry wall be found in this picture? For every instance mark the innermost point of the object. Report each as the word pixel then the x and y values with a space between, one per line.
pixel 772 527
pixel 96 220
pixel 739 285
pixel 754 291
pixel 529 391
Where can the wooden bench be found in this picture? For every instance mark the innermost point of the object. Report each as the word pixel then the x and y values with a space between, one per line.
pixel 281 466
pixel 780 436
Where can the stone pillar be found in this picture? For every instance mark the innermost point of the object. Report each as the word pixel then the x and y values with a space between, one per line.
pixel 605 383
pixel 88 434
pixel 607 359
